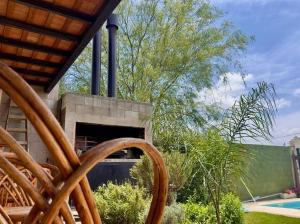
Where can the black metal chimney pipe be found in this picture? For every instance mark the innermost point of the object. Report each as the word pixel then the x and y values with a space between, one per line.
pixel 112 26
pixel 96 64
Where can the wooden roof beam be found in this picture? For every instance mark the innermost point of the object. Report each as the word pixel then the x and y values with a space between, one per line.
pixel 28 60
pixel 34 47
pixel 66 12
pixel 36 83
pixel 38 29
pixel 106 10
pixel 32 72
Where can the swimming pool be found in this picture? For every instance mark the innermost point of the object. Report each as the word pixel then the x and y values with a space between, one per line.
pixel 293 205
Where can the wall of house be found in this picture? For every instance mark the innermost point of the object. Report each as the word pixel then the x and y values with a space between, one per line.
pixel 36 146
pixel 268 171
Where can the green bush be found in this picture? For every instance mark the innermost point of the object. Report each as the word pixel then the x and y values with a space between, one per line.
pixel 231 210
pixel 199 214
pixel 173 214
pixel 143 174
pixel 121 204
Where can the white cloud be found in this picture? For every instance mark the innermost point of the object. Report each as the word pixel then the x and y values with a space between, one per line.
pixel 286 127
pixel 297 92
pixel 283 103
pixel 225 93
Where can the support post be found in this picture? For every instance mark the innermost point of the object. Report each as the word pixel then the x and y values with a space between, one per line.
pixel 96 64
pixel 112 26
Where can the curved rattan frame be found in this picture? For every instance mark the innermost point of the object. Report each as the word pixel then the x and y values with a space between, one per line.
pixel 11 194
pixel 72 170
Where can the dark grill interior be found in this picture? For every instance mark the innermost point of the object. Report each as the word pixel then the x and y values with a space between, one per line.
pixel 89 135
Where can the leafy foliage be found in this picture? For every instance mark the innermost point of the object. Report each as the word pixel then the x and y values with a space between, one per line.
pixel 216 163
pixel 168 51
pixel 142 173
pixel 217 156
pixel 198 213
pixel 173 214
pixel 252 116
pixel 121 204
pixel 231 211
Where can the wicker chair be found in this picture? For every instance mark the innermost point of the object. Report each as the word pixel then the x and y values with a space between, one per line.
pixel 50 206
pixel 4 218
pixel 11 194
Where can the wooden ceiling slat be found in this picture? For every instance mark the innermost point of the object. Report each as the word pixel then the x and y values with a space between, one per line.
pixel 32 19
pixel 41 39
pixel 35 78
pixel 106 10
pixel 66 12
pixel 38 29
pixel 3 7
pixel 28 60
pixel 64 26
pixel 36 83
pixel 9 49
pixel 32 46
pixel 35 18
pixel 32 72
pixel 55 22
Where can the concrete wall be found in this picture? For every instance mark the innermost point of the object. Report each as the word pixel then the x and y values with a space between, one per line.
pixel 102 110
pixel 36 147
pixel 4 100
pixel 86 109
pixel 268 171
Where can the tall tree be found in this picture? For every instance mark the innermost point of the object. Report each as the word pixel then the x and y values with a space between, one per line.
pixel 219 155
pixel 168 51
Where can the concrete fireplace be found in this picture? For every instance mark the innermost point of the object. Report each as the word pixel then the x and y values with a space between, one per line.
pixel 89 120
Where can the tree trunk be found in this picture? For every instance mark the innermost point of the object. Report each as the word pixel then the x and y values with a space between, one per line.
pixel 217 211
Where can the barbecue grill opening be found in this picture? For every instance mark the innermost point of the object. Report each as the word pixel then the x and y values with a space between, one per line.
pixel 89 135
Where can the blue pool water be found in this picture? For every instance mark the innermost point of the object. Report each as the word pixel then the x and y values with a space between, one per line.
pixel 293 205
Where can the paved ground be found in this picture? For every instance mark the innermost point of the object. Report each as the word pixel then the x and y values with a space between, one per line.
pixel 259 207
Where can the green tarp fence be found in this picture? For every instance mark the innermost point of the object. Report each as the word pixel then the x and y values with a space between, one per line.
pixel 268 171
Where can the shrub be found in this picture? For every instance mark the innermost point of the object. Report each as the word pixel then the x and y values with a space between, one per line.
pixel 121 204
pixel 231 210
pixel 173 214
pixel 199 214
pixel 142 173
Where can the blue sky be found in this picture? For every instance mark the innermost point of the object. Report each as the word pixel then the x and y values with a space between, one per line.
pixel 274 56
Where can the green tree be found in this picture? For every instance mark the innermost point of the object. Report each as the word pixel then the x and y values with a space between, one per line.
pixel 218 155
pixel 168 51
pixel 252 116
pixel 215 164
pixel 179 171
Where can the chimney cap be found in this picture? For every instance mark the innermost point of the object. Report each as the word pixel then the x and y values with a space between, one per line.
pixel 112 21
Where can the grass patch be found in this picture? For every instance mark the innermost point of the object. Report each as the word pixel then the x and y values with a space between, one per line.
pixel 263 218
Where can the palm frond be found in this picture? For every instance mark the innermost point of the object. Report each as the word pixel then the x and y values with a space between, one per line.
pixel 252 116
